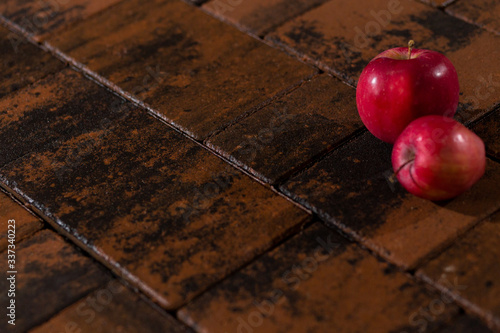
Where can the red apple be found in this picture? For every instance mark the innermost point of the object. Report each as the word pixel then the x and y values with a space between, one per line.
pixel 403 84
pixel 437 158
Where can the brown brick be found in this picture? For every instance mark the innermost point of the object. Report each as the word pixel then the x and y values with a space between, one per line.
pixel 25 223
pixel 474 259
pixel 58 107
pixel 484 13
pixel 157 208
pixel 22 63
pixel 352 190
pixel 316 282
pixel 258 17
pixel 113 308
pixel 40 18
pixel 488 130
pixel 327 36
pixel 292 130
pixel 464 324
pixel 51 275
pixel 197 72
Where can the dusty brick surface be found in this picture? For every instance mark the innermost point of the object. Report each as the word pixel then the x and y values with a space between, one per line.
pixel 293 130
pixel 488 129
pixel 22 63
pixel 485 13
pixel 196 71
pixel 316 282
pixel 331 36
pixel 258 16
pixel 112 308
pixel 25 224
pixel 352 190
pixel 474 260
pixel 158 209
pixel 52 275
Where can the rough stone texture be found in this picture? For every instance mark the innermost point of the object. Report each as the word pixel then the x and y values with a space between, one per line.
pixel 331 36
pixel 474 259
pixel 488 129
pixel 293 130
pixel 39 18
pixel 22 63
pixel 51 275
pixel 485 13
pixel 197 72
pixel 113 308
pixel 25 224
pixel 353 189
pixel 258 16
pixel 316 282
pixel 158 209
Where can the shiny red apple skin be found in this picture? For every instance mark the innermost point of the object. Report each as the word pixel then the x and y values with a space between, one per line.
pixel 393 90
pixel 437 158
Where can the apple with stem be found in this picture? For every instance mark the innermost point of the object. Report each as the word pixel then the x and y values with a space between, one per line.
pixel 437 158
pixel 403 84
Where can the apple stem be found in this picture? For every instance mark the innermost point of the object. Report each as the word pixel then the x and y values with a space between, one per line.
pixel 410 46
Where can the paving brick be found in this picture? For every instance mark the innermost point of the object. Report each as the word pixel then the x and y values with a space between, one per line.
pixel 196 71
pixel 40 18
pixel 56 108
pixel 464 324
pixel 331 36
pixel 291 131
pixel 22 63
pixel 484 13
pixel 474 259
pixel 157 208
pixel 25 224
pixel 51 275
pixel 488 130
pixel 316 282
pixel 113 308
pixel 258 17
pixel 352 189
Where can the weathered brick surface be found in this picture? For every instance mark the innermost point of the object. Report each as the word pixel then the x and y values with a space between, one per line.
pixel 112 308
pixel 51 275
pixel 56 108
pixel 40 18
pixel 343 36
pixel 258 16
pixel 474 260
pixel 22 63
pixel 352 190
pixel 293 130
pixel 316 282
pixel 157 208
pixel 488 129
pixel 196 71
pixel 25 223
pixel 485 13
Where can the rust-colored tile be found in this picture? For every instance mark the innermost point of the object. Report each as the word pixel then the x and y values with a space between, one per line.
pixel 332 37
pixel 474 258
pixel 25 223
pixel 316 282
pixel 488 129
pixel 113 308
pixel 22 63
pixel 55 108
pixel 196 71
pixel 485 13
pixel 40 18
pixel 464 324
pixel 51 275
pixel 352 190
pixel 160 210
pixel 293 130
pixel 258 16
